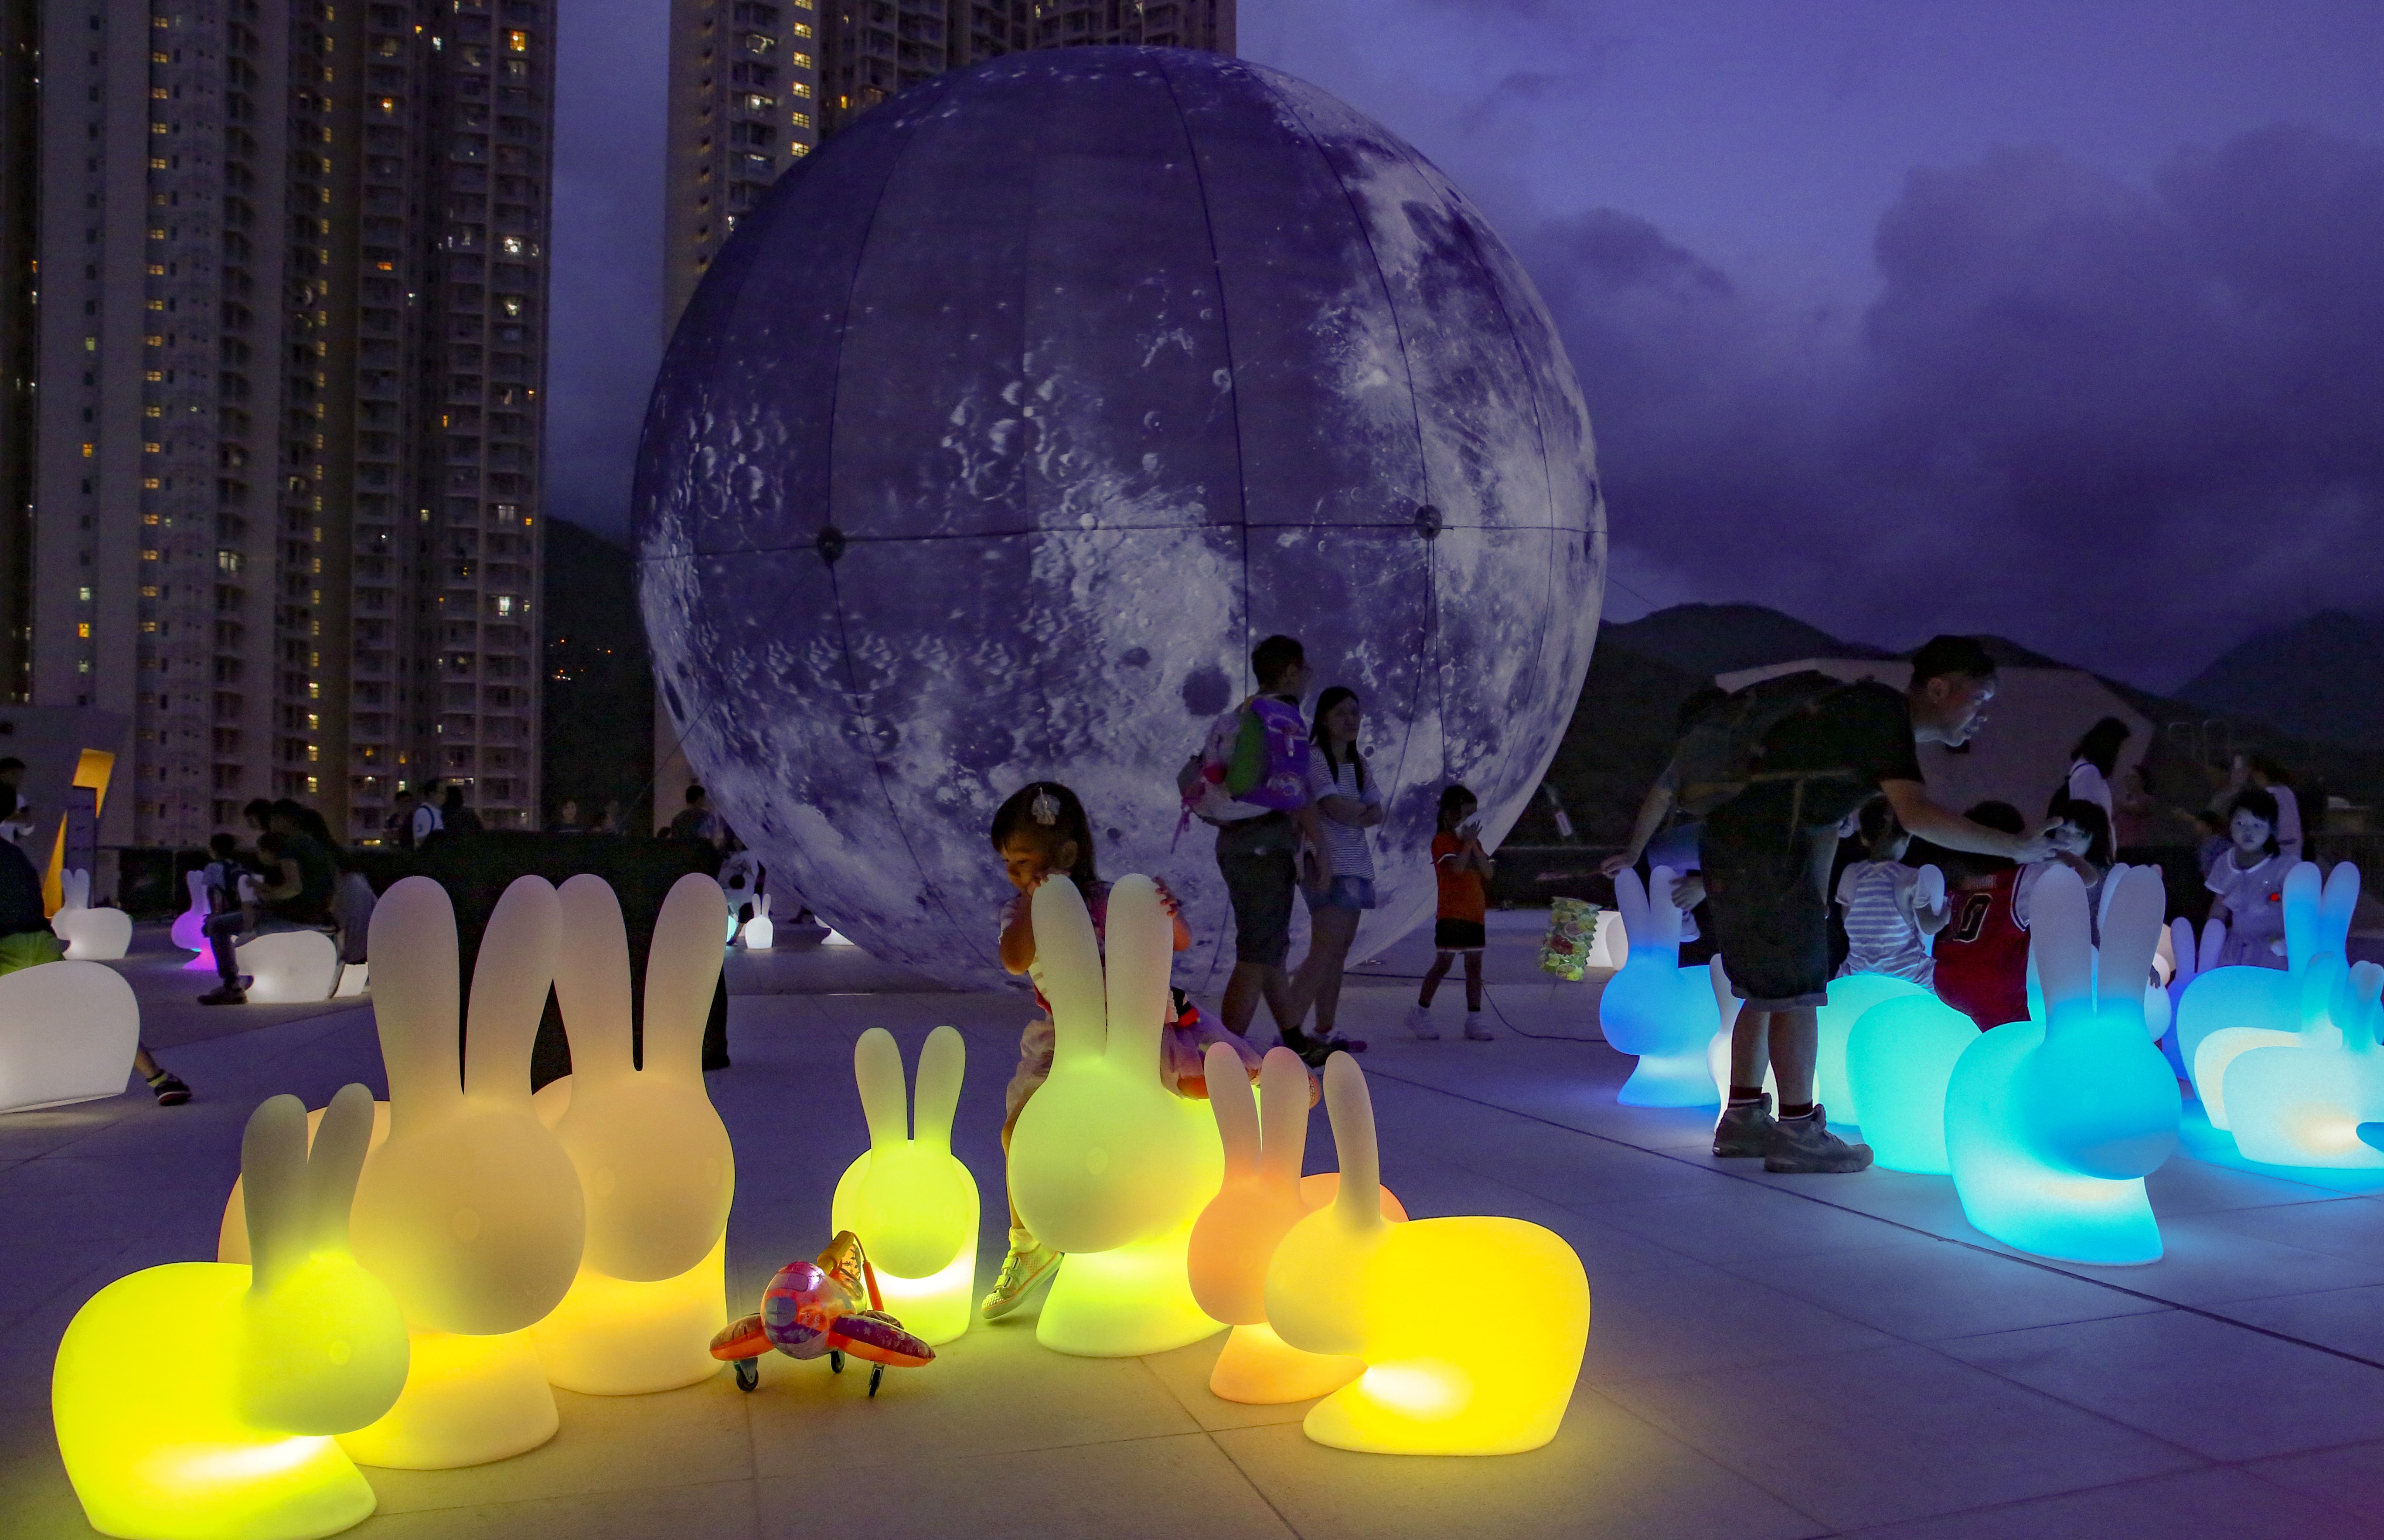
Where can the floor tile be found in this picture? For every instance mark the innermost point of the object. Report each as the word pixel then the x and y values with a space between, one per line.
pixel 2205 1505
pixel 1737 1223
pixel 1607 1474
pixel 2347 1320
pixel 2221 1391
pixel 712 1510
pixel 2351 1228
pixel 1693 1318
pixel 1934 1288
pixel 2350 1477
pixel 1185 1372
pixel 1893 1434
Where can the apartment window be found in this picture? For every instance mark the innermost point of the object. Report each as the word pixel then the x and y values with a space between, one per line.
pixel 517 43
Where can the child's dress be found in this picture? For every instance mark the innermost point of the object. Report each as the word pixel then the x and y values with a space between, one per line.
pixel 1883 925
pixel 1183 1042
pixel 2255 910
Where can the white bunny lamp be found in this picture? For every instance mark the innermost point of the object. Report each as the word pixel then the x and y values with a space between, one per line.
pixel 2229 1012
pixel 656 1171
pixel 67 1033
pixel 1654 1008
pixel 287 967
pixel 760 933
pixel 90 935
pixel 470 1212
pixel 2051 1126
pixel 1347 1280
pixel 1106 1164
pixel 1237 1235
pixel 908 1197
pixel 222 1432
pixel 2301 1103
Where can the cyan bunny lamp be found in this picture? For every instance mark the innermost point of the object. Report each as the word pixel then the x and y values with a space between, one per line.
pixel 1106 1164
pixel 908 1197
pixel 1347 1280
pixel 1654 1008
pixel 2230 1012
pixel 224 1434
pixel 2187 963
pixel 1849 998
pixel 470 1212
pixel 656 1171
pixel 2301 1103
pixel 2052 1126
pixel 1234 1239
pixel 1899 1061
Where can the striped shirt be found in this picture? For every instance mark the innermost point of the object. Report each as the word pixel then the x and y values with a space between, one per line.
pixel 1883 935
pixel 1351 858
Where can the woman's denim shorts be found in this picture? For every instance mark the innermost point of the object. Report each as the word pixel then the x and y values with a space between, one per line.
pixel 1345 893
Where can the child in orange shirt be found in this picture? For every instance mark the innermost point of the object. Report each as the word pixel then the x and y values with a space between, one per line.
pixel 1462 867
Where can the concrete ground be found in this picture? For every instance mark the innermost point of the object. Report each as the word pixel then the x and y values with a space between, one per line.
pixel 1770 1357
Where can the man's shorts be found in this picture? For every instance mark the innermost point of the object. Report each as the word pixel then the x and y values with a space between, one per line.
pixel 1769 910
pixel 1256 859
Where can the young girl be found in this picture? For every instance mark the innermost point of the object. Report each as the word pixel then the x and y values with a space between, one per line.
pixel 1888 925
pixel 2250 883
pixel 1462 867
pixel 1348 805
pixel 1042 832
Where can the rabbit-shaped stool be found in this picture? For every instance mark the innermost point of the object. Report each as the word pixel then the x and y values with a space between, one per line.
pixel 216 1427
pixel 2052 1126
pixel 1851 996
pixel 2301 1103
pixel 1654 1008
pixel 908 1197
pixel 2232 1011
pixel 761 931
pixel 1899 1061
pixel 189 932
pixel 1106 1164
pixel 90 935
pixel 656 1173
pixel 68 1032
pixel 1234 1239
pixel 2187 963
pixel 1347 1280
pixel 470 1212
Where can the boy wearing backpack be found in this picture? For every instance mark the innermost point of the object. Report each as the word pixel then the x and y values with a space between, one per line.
pixel 1251 781
pixel 1775 770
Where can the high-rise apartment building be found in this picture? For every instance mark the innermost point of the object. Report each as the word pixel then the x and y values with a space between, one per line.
pixel 290 347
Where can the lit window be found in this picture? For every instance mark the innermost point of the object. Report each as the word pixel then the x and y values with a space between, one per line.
pixel 504 604
pixel 84 630
pixel 517 43
pixel 800 119
pixel 513 245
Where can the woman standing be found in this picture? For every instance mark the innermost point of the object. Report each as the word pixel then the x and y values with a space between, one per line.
pixel 1348 806
pixel 2094 766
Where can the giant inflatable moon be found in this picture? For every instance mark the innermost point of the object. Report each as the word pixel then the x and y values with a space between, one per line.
pixel 1013 418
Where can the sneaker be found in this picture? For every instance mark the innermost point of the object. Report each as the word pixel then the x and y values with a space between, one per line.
pixel 1807 1146
pixel 1025 1269
pixel 171 1090
pixel 1420 1023
pixel 1744 1132
pixel 1476 1029
pixel 224 994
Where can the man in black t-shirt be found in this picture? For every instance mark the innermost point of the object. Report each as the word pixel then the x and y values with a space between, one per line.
pixel 1767 855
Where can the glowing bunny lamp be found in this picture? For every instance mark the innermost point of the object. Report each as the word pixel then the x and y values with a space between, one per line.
pixel 188 932
pixel 2187 963
pixel 2230 1012
pixel 1106 1164
pixel 1654 1008
pixel 221 1430
pixel 760 933
pixel 656 1173
pixel 46 1062
pixel 1899 1061
pixel 1849 1000
pixel 90 935
pixel 2051 1126
pixel 470 1212
pixel 2301 1103
pixel 1347 1280
pixel 1235 1238
pixel 908 1197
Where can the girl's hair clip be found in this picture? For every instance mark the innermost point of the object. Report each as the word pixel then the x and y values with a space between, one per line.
pixel 1045 809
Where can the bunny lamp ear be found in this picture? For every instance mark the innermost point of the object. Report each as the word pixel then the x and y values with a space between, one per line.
pixel 1235 1110
pixel 1929 888
pixel 2303 894
pixel 1068 969
pixel 1663 915
pixel 2335 906
pixel 1283 1110
pixel 682 974
pixel 592 980
pixel 2060 945
pixel 335 1163
pixel 1630 899
pixel 1141 952
pixel 2180 949
pixel 2213 940
pixel 941 1065
pixel 1358 1203
pixel 510 980
pixel 415 995
pixel 273 1185
pixel 2131 924
pixel 877 1070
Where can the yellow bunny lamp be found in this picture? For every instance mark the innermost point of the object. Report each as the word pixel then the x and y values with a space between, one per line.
pixel 470 1212
pixel 1347 1280
pixel 908 1197
pixel 226 1433
pixel 1106 1164
pixel 656 1171
pixel 1237 1235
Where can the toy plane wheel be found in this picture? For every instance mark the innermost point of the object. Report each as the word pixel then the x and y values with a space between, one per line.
pixel 749 1374
pixel 875 1374
pixel 835 1361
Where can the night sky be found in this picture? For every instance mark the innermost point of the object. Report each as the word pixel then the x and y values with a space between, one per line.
pixel 2062 320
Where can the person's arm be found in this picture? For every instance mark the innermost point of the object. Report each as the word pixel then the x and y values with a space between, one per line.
pixel 1018 936
pixel 1653 809
pixel 1939 825
pixel 1175 907
pixel 1471 857
pixel 290 884
pixel 1347 809
pixel 1312 830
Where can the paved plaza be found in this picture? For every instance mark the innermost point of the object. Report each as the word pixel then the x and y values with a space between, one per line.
pixel 1769 1357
